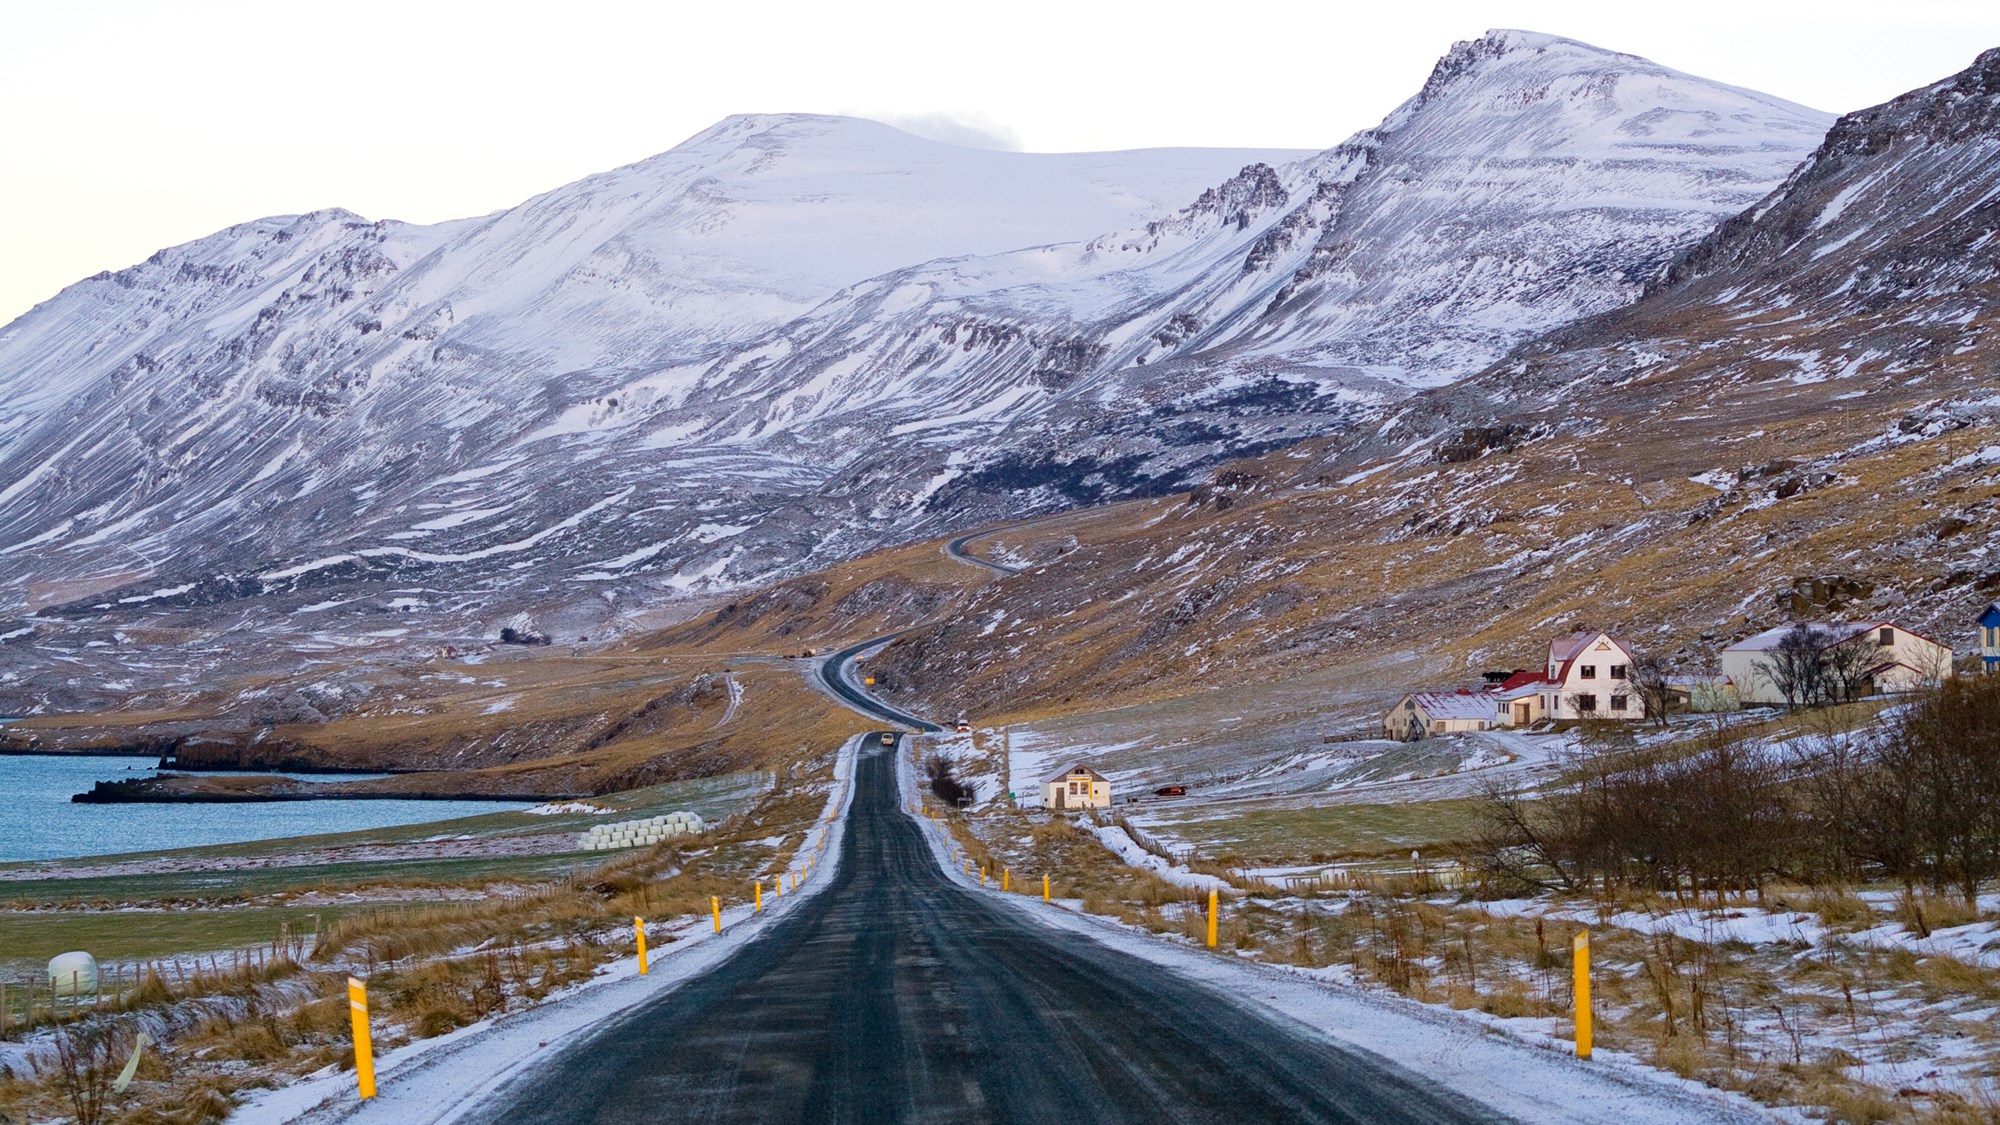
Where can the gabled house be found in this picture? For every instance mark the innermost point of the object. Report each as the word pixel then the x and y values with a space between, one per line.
pixel 1589 676
pixel 1989 638
pixel 1076 787
pixel 1871 657
pixel 1423 714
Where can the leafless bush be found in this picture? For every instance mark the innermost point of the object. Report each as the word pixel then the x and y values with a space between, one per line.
pixel 88 1057
pixel 1930 810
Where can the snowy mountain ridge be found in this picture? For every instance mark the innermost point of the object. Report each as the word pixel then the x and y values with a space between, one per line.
pixel 795 338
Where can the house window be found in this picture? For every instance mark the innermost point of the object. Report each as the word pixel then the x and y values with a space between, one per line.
pixel 1588 671
pixel 1586 703
pixel 1888 636
pixel 1617 703
pixel 1617 671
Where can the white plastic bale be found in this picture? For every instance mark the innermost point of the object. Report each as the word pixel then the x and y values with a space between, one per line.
pixel 73 974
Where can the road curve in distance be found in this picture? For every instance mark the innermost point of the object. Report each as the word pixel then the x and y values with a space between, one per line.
pixel 956 549
pixel 833 673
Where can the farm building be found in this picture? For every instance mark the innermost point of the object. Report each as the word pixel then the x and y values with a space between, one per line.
pixel 1422 714
pixel 1077 787
pixel 1857 658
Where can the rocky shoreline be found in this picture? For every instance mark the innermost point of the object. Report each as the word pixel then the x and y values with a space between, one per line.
pixel 189 789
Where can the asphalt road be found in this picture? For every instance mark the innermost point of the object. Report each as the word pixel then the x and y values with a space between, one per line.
pixel 956 549
pixel 833 673
pixel 897 995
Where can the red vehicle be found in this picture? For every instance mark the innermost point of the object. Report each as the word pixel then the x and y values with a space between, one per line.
pixel 1170 791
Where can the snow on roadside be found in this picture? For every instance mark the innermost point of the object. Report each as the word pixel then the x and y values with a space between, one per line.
pixel 1507 1068
pixel 1127 849
pixel 435 1081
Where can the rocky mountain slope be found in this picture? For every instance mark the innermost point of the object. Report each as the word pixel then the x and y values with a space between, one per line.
pixel 788 341
pixel 1801 419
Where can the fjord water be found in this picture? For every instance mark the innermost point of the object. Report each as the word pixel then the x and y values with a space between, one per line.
pixel 38 821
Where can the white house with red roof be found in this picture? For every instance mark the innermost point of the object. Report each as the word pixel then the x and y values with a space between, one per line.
pixel 1424 714
pixel 1589 676
pixel 1893 659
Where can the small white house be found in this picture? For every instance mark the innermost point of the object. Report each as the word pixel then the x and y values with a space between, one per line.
pixel 1424 714
pixel 1703 695
pixel 1077 787
pixel 1517 700
pixel 1589 676
pixel 1887 657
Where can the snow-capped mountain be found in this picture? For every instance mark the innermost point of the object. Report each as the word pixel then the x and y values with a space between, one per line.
pixel 795 338
pixel 1869 273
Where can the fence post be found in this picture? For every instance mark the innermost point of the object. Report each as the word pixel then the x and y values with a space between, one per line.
pixel 1580 948
pixel 364 1051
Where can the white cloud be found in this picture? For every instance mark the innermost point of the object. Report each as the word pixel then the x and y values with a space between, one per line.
pixel 968 130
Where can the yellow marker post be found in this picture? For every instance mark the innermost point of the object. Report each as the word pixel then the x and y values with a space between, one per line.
pixel 968 865
pixel 1211 917
pixel 1580 950
pixel 760 897
pixel 639 928
pixel 1006 879
pixel 715 908
pixel 364 1049
pixel 982 878
pixel 1045 888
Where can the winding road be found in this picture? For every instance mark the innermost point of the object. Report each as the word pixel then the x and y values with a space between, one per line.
pixel 898 994
pixel 956 549
pixel 836 673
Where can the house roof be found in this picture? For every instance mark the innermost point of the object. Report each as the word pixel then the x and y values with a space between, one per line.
pixel 1521 680
pixel 1991 616
pixel 1698 681
pixel 1455 704
pixel 1532 687
pixel 1064 773
pixel 1827 632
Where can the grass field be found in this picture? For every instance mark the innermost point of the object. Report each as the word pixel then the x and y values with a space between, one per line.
pixel 1324 833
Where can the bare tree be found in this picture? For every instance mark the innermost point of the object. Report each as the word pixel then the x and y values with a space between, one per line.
pixel 1797 666
pixel 1650 676
pixel 1933 808
pixel 1845 667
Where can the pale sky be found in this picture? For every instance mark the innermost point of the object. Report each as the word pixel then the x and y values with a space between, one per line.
pixel 128 126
